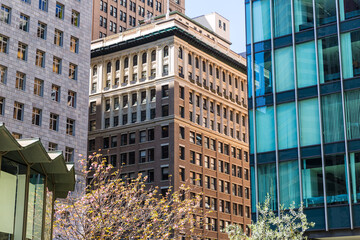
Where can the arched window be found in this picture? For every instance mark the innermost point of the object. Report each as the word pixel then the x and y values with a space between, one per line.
pixel 135 60
pixel 217 73
pixel 108 67
pixel 180 53
pixel 117 65
pixel 204 66
pixel 153 55
pixel 197 62
pixel 126 62
pixel 144 58
pixel 189 59
pixel 166 51
pixel 95 70
pixel 210 70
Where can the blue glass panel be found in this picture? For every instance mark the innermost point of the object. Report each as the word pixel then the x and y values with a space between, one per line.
pixel 268 157
pixel 248 28
pixel 316 215
pixel 339 217
pixel 306 64
pixel 336 180
pixel 349 9
pixel 325 11
pixel 354 164
pixel 311 152
pixel 267 184
pixel 253 192
pixel 288 154
pixel 303 11
pixel 284 69
pixel 350 54
pixel 249 73
pixel 251 133
pixel 309 122
pixel 282 17
pixel 352 103
pixel 308 92
pixel 312 182
pixel 289 183
pixel 350 84
pixel 331 87
pixel 283 97
pixel 263 73
pixel 327 30
pixel 286 125
pixel 304 36
pixel 261 20
pixel 332 118
pixel 356 216
pixel 283 41
pixel 265 134
pixel 329 65
pixel 334 148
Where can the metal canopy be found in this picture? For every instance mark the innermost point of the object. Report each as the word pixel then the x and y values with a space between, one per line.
pixel 31 152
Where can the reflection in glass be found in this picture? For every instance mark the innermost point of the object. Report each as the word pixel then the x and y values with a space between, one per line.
pixel 12 187
pixel 282 17
pixel 306 64
pixel 309 122
pixel 261 20
pixel 253 192
pixel 263 78
pixel 329 66
pixel 250 78
pixel 267 184
pixel 325 11
pixel 335 177
pixel 251 129
pixel 355 176
pixel 248 25
pixel 349 9
pixel 352 106
pixel 265 132
pixel 312 182
pixel 332 118
pixel 284 69
pixel 289 183
pixel 286 125
pixel 304 18
pixel 350 54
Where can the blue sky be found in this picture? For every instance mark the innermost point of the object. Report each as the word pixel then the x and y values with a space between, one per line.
pixel 233 10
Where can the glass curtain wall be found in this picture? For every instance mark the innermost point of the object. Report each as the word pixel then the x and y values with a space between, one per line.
pixel 262 31
pixel 282 17
pixel 352 107
pixel 263 73
pixel 286 125
pixel 355 176
pixel 312 182
pixel 309 122
pixel 303 13
pixel 350 54
pixel 329 64
pixel 267 184
pixel 349 9
pixel 265 133
pixel 289 183
pixel 306 64
pixel 284 69
pixel 325 12
pixel 336 180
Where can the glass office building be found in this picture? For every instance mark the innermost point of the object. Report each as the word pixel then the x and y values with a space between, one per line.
pixel 304 108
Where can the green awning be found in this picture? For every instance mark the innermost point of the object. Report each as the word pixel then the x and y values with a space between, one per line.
pixel 61 176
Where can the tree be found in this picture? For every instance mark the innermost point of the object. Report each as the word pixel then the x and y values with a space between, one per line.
pixel 289 224
pixel 113 208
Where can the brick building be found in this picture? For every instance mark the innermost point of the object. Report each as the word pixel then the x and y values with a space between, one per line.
pixel 113 16
pixel 169 98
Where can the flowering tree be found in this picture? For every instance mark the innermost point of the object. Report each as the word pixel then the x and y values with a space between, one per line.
pixel 113 208
pixel 289 224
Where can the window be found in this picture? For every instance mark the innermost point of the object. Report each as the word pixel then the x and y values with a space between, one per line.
pixel 75 18
pixel 132 138
pixel 165 173
pixel 54 121
pixel 5 14
pixel 38 87
pixel 164 131
pixel 58 37
pixel 182 174
pixel 59 11
pixel 166 51
pixel 40 58
pixel 152 95
pixel 151 155
pixel 22 51
pixel 55 93
pixel 151 135
pixel 134 99
pixel 43 5
pixel 70 127
pixel 18 111
pixel 73 71
pixel 20 81
pixel 180 54
pixel 165 152
pixel 69 154
pixel 24 22
pixel 71 101
pixel 3 74
pixel 153 56
pixel 41 31
pixel 165 91
pixel 57 65
pixel 74 44
pixel 2 105
pixel 3 44
pixel 165 110
pixel 54 146
pixel 152 113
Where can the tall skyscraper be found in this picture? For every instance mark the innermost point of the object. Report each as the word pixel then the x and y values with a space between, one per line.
pixel 169 98
pixel 44 71
pixel 304 101
pixel 114 16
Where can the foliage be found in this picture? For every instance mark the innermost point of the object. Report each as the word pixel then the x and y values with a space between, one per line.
pixel 289 224
pixel 113 208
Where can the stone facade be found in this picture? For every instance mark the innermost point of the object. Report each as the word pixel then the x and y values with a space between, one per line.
pixel 163 102
pixel 24 124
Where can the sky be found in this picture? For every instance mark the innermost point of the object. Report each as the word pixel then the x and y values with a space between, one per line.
pixel 233 10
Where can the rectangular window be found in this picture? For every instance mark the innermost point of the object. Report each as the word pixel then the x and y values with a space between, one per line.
pixel 36 116
pixel 73 71
pixel 59 11
pixel 69 154
pixel 38 87
pixel 57 65
pixel 165 152
pixel 58 37
pixel 75 18
pixel 18 111
pixel 165 110
pixel 74 44
pixel 5 14
pixel 43 5
pixel 54 122
pixel 22 51
pixel 71 101
pixel 55 93
pixel 20 81
pixel 40 58
pixel 24 22
pixel 41 31
pixel 3 74
pixel 4 44
pixel 2 106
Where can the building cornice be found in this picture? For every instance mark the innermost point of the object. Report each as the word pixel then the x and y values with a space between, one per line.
pixel 169 32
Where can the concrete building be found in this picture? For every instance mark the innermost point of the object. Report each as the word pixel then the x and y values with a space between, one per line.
pixel 216 23
pixel 44 71
pixel 169 98
pixel 114 16
pixel 304 103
